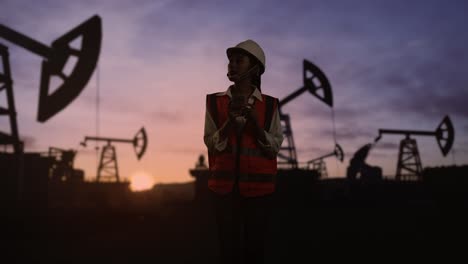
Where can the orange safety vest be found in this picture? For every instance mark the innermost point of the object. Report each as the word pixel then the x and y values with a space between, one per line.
pixel 242 158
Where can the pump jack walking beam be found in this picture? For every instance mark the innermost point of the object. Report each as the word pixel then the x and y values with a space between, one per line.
pixel 55 58
pixel 317 84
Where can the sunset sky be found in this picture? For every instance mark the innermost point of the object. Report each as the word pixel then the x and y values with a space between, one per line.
pixel 392 64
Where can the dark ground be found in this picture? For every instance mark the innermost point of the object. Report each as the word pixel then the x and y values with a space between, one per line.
pixel 332 219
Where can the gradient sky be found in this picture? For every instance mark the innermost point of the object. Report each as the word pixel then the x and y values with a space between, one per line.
pixel 392 64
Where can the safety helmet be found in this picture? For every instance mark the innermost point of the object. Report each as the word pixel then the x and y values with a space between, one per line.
pixel 252 48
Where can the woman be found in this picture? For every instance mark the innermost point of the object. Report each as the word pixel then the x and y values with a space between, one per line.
pixel 243 135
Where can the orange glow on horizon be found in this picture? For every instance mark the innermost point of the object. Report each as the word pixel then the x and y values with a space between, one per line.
pixel 141 181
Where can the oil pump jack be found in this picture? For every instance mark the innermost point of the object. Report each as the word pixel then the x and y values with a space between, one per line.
pixel 55 58
pixel 51 101
pixel 319 165
pixel 409 165
pixel 317 84
pixel 108 168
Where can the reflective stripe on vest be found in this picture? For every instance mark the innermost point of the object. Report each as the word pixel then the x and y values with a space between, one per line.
pixel 245 177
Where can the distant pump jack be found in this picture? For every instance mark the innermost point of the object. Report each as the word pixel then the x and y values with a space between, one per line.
pixel 317 84
pixel 319 165
pixel 55 59
pixel 108 167
pixel 409 165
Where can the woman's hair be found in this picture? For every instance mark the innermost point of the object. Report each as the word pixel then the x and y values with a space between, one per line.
pixel 257 79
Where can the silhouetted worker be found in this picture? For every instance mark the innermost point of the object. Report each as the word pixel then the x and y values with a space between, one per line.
pixel 358 164
pixel 243 135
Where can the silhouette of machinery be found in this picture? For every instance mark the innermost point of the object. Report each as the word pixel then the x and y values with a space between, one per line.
pixel 6 83
pixel 58 60
pixel 108 167
pixel 359 169
pixel 319 165
pixel 409 165
pixel 55 59
pixel 201 163
pixel 201 175
pixel 62 169
pixel 318 85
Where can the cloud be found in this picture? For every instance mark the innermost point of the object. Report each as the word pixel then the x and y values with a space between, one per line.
pixel 344 134
pixel 387 145
pixel 179 150
pixel 314 150
pixel 170 117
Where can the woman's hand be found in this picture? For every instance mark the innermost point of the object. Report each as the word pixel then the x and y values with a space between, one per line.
pixel 233 113
pixel 250 114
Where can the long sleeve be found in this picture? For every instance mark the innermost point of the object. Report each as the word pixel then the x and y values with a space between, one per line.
pixel 274 136
pixel 211 135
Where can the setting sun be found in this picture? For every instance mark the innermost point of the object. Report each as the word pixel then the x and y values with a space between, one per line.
pixel 141 181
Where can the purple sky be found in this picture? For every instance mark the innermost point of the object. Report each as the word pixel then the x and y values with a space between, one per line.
pixel 392 64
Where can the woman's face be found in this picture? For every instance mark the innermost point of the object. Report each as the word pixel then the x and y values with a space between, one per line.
pixel 238 64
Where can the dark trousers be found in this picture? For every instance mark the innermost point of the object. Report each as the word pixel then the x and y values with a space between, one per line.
pixel 242 224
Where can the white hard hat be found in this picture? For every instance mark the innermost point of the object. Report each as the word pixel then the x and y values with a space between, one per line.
pixel 252 48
